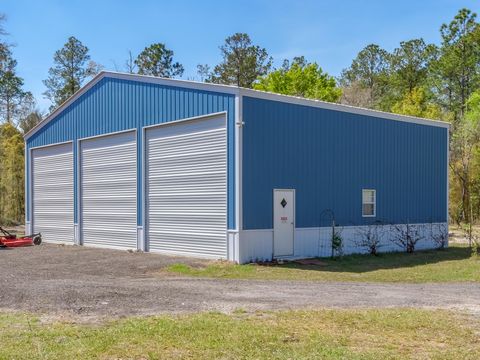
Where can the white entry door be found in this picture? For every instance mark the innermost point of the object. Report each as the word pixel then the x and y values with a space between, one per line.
pixel 283 222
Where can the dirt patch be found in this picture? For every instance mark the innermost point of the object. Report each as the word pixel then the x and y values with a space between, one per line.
pixel 457 235
pixel 73 282
pixel 311 262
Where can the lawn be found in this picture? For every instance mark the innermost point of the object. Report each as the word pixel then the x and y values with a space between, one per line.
pixel 326 334
pixel 455 264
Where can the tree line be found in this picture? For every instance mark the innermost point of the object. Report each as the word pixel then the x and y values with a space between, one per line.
pixel 436 81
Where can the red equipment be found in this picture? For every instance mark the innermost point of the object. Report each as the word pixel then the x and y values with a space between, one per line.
pixel 11 240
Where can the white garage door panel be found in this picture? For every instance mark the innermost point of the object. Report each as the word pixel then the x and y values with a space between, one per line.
pixel 109 191
pixel 186 178
pixel 52 200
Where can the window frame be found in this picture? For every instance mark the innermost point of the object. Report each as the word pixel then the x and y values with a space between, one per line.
pixel 374 203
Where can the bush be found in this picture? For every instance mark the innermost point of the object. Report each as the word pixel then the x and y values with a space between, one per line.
pixel 439 235
pixel 337 242
pixel 369 237
pixel 406 236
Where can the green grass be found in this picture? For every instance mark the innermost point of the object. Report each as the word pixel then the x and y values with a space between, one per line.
pixel 326 334
pixel 454 264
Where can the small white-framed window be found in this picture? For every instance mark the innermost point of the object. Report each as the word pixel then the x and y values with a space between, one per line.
pixel 369 200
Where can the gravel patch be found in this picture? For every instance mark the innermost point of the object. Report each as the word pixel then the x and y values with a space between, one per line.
pixel 86 283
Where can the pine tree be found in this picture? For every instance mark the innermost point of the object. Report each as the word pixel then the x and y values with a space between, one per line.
pixel 72 66
pixel 157 60
pixel 243 63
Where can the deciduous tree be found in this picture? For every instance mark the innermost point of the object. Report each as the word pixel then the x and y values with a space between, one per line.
pixel 12 174
pixel 28 122
pixel 415 102
pixel 300 78
pixel 130 66
pixel 204 71
pixel 369 71
pixel 464 150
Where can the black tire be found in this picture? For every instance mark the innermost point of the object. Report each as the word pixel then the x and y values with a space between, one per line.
pixel 37 240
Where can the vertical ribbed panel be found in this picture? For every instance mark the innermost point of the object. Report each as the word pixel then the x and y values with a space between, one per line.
pixel 109 191
pixel 330 156
pixel 114 105
pixel 53 193
pixel 186 184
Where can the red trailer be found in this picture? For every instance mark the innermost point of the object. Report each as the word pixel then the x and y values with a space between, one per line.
pixel 8 239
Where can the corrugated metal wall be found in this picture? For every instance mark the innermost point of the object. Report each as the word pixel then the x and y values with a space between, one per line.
pixel 114 105
pixel 329 156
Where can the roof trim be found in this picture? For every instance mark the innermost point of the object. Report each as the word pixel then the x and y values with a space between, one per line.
pixel 234 90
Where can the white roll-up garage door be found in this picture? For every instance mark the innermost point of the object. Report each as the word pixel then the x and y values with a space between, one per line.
pixel 52 193
pixel 186 187
pixel 109 191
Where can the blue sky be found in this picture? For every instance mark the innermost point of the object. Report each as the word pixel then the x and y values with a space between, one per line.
pixel 328 32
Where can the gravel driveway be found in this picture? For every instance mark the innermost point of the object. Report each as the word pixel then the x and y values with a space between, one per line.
pixel 94 283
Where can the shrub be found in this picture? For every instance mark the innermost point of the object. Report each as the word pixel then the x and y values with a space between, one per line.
pixel 369 237
pixel 406 236
pixel 439 235
pixel 337 242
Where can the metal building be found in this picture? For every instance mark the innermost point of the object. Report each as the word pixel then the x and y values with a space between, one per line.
pixel 180 167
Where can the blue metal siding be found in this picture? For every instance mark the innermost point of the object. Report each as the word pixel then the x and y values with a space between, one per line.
pixel 114 105
pixel 330 156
